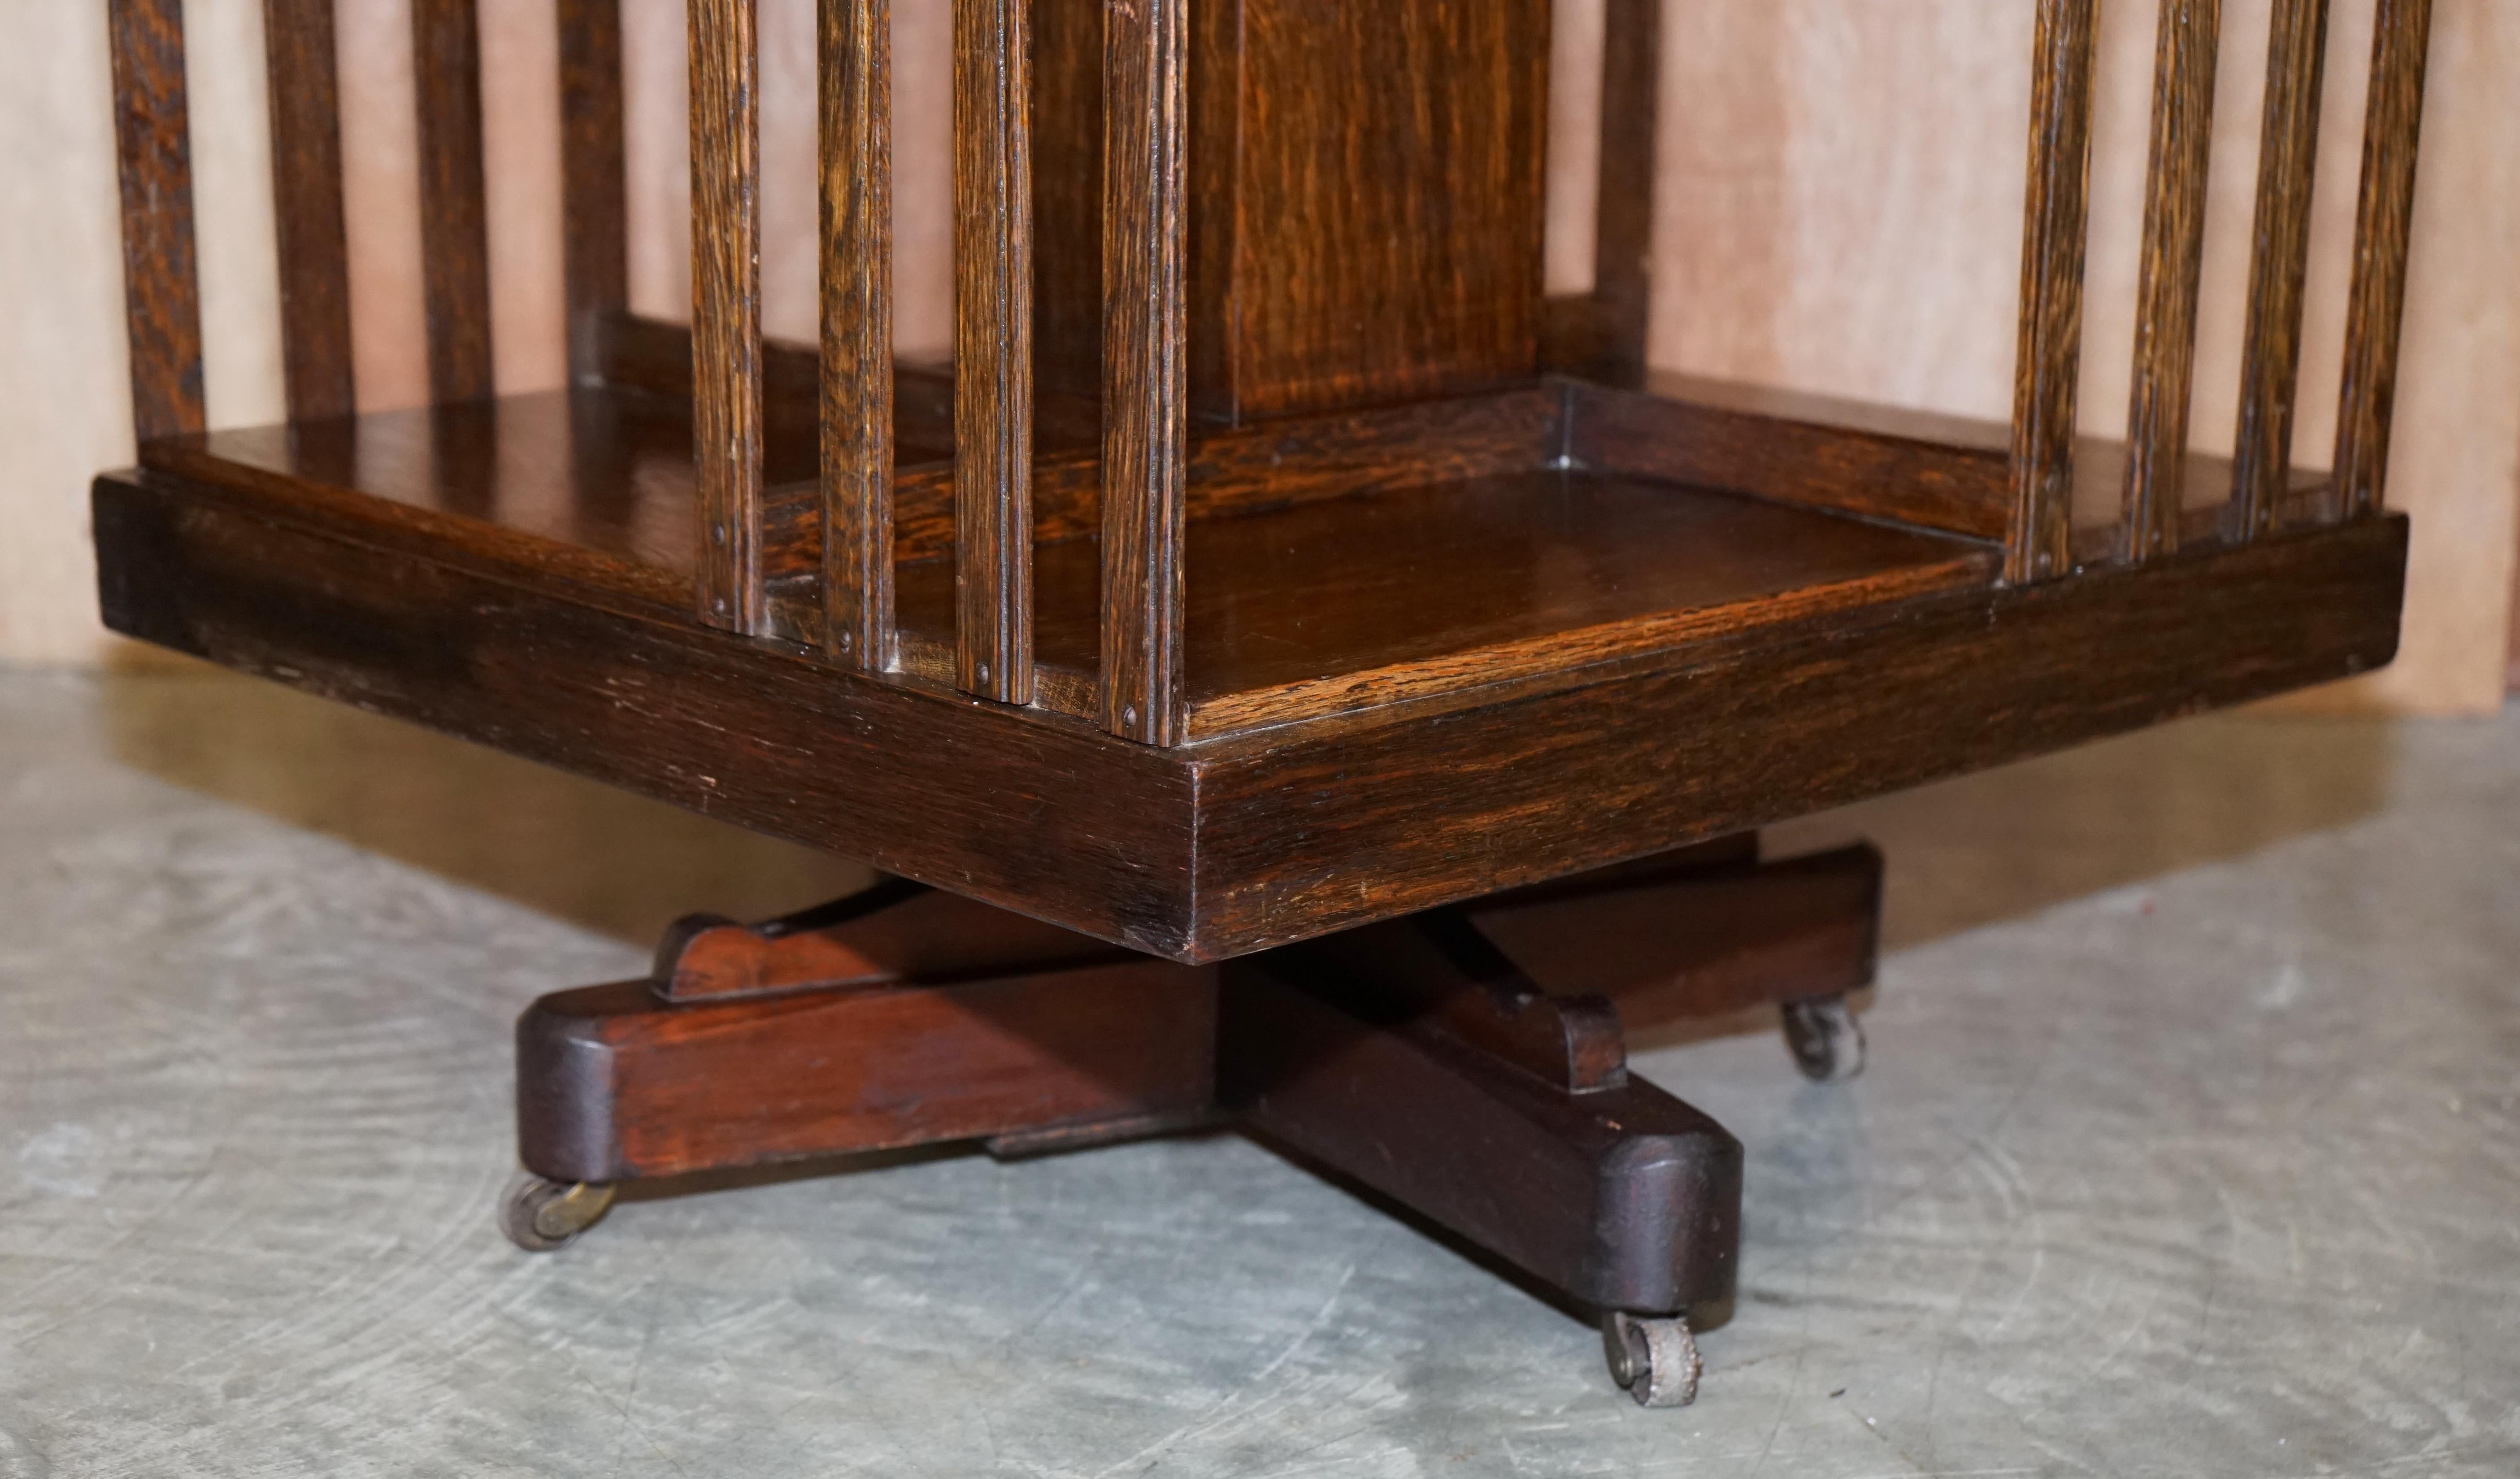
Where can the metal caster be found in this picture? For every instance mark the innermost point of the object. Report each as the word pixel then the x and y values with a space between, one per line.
pixel 1826 1039
pixel 540 1216
pixel 1653 1356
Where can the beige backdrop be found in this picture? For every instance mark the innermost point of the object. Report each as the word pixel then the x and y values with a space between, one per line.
pixel 1839 212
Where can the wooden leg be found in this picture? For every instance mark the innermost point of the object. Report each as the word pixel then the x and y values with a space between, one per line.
pixel 901 1017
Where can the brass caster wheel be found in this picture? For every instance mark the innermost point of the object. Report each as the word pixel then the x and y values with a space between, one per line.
pixel 540 1216
pixel 1826 1039
pixel 1653 1356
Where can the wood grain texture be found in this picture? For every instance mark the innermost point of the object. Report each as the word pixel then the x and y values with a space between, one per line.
pixel 2169 281
pixel 2049 364
pixel 2279 263
pixel 615 1084
pixel 1624 215
pixel 595 232
pixel 153 152
pixel 992 376
pixel 1214 850
pixel 726 312
pixel 312 237
pixel 2383 221
pixel 1385 218
pixel 454 218
pixel 857 378
pixel 1146 380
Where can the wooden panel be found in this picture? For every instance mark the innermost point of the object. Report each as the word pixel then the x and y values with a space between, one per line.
pixel 2174 255
pixel 1065 147
pixel 1278 835
pixel 594 245
pixel 993 350
pixel 857 382
pixel 1056 820
pixel 153 149
pixel 2280 265
pixel 1335 605
pixel 1337 825
pixel 1387 243
pixel 313 241
pixel 1146 409
pixel 726 312
pixel 454 221
pixel 2049 364
pixel 2382 221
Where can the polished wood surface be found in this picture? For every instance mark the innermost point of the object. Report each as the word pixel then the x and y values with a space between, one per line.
pixel 2384 217
pixel 153 152
pixel 2172 270
pixel 855 40
pixel 595 236
pixel 2278 262
pixel 312 237
pixel 454 209
pixel 2048 367
pixel 727 398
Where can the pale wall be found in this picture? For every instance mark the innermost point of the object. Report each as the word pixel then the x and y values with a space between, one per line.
pixel 1840 212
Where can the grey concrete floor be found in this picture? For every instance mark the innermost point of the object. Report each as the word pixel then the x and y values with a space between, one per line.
pixel 2190 1145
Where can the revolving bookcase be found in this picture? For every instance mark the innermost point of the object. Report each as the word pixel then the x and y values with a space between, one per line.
pixel 1293 672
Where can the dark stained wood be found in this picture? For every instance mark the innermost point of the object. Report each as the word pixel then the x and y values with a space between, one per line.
pixel 1382 239
pixel 2279 263
pixel 894 931
pixel 2172 266
pixel 993 351
pixel 1685 940
pixel 616 1084
pixel 1908 467
pixel 454 216
pixel 2383 220
pixel 1624 1198
pixel 1623 229
pixel 647 355
pixel 594 181
pixel 857 399
pixel 153 155
pixel 1146 405
pixel 313 238
pixel 726 313
pixel 1245 842
pixel 1066 147
pixel 1342 604
pixel 1342 823
pixel 2049 362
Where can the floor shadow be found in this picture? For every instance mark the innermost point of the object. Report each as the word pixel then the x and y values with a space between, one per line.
pixel 606 860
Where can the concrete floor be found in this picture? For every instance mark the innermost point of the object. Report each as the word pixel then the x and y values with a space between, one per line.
pixel 2190 1145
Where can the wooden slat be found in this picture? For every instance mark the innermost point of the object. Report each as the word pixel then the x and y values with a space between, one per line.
pixel 593 180
pixel 306 199
pixel 1623 241
pixel 2037 546
pixel 2377 305
pixel 2173 261
pixel 1144 376
pixel 163 295
pixel 2279 264
pixel 726 311
pixel 454 228
pixel 993 350
pixel 857 383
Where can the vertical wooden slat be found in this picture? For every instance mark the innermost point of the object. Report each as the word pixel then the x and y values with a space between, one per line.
pixel 726 311
pixel 2174 257
pixel 857 330
pixel 2377 304
pixel 1623 241
pixel 162 297
pixel 2055 238
pixel 993 350
pixel 592 179
pixel 454 227
pixel 306 198
pixel 2279 264
pixel 1146 385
